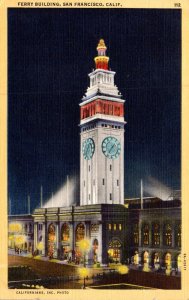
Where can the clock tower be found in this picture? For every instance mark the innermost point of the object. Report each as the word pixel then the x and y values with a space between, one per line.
pixel 102 137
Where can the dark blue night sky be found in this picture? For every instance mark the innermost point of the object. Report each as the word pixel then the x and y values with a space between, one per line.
pixel 50 53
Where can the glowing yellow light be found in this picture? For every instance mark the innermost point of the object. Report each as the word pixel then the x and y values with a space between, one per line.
pixel 11 237
pixel 15 227
pixel 84 245
pixel 84 272
pixel 168 271
pixel 146 267
pixel 40 246
pixel 123 269
pixel 101 44
pixel 110 252
pixel 179 262
pixel 136 259
pixel 20 239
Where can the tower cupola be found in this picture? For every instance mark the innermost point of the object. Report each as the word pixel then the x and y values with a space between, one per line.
pixel 101 60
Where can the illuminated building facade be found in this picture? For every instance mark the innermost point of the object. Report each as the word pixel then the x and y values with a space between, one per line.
pixel 117 231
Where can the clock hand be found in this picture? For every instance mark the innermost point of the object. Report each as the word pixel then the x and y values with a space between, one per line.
pixel 111 148
pixel 88 148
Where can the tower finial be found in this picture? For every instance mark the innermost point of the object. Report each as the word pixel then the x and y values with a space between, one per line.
pixel 101 60
pixel 101 44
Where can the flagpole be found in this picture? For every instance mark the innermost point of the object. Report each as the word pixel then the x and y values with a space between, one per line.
pixel 9 206
pixel 52 203
pixel 67 190
pixel 41 196
pixel 28 204
pixel 141 193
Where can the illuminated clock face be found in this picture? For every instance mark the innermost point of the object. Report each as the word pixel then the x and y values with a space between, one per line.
pixel 111 147
pixel 88 148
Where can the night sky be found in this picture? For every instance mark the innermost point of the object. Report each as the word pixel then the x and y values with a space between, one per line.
pixel 50 53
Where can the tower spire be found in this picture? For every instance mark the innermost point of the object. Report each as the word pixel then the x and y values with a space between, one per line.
pixel 101 60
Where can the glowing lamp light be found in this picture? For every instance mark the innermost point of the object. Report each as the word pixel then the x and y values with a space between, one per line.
pixel 40 246
pixel 123 269
pixel 168 271
pixel 20 239
pixel 83 272
pixel 15 227
pixel 84 245
pixel 110 252
pixel 11 237
pixel 146 267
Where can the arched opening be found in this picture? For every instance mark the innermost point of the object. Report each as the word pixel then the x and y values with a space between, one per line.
pixel 167 260
pixel 156 260
pixel 51 241
pixel 80 232
pixel 136 258
pixel 179 263
pixel 65 232
pixel 145 257
pixel 79 236
pixel 65 239
pixel 114 251
pixel 95 251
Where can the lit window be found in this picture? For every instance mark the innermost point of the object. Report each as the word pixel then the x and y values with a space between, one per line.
pixel 109 226
pixel 145 234
pixel 65 232
pixel 80 232
pixel 120 226
pixel 156 234
pixel 178 235
pixel 115 227
pixel 167 236
pixel 135 234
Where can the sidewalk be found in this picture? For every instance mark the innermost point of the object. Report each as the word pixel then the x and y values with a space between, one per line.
pixel 54 260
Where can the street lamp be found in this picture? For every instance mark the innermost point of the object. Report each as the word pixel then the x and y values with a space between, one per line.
pixel 84 273
pixel 84 246
pixel 123 269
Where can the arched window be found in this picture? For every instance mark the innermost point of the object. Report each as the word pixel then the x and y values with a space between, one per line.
pixel 178 235
pixel 135 234
pixel 167 235
pixel 167 259
pixel 145 257
pixel 65 232
pixel 145 234
pixel 95 244
pixel 156 234
pixel 80 232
